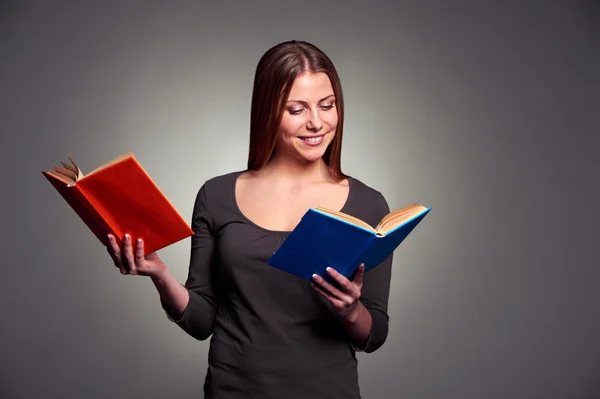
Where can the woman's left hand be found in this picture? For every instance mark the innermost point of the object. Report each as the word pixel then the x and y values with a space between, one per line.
pixel 345 300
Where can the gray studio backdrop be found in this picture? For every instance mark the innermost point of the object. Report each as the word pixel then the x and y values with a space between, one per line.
pixel 487 112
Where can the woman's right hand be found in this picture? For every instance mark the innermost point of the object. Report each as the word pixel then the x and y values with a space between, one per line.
pixel 130 261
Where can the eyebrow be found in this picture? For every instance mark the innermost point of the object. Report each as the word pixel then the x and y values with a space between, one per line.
pixel 305 103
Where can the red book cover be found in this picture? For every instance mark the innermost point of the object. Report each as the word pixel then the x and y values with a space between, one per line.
pixel 120 197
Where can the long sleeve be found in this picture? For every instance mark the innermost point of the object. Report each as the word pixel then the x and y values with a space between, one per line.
pixel 375 292
pixel 198 317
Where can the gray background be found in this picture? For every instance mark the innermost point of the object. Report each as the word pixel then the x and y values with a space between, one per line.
pixel 488 112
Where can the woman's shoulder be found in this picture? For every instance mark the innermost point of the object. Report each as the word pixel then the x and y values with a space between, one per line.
pixel 219 188
pixel 223 181
pixel 366 192
pixel 368 197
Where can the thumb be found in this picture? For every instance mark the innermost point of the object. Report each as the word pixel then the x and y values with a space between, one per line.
pixel 360 273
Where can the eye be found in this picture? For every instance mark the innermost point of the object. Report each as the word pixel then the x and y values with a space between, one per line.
pixel 327 107
pixel 295 111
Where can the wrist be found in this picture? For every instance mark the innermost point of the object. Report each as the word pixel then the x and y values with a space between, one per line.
pixel 354 316
pixel 161 276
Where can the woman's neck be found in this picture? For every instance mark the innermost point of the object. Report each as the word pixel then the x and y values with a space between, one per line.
pixel 294 170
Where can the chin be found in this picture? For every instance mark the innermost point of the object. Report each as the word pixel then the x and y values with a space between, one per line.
pixel 312 158
pixel 311 155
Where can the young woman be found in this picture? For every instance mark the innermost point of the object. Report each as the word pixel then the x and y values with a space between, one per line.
pixel 274 335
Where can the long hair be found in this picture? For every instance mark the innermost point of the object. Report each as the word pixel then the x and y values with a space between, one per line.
pixel 275 74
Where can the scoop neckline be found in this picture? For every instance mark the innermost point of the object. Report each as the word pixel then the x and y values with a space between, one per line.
pixel 255 225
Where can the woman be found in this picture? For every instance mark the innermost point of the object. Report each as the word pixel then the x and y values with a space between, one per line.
pixel 274 335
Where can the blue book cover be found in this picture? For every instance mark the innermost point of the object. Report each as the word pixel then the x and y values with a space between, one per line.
pixel 323 239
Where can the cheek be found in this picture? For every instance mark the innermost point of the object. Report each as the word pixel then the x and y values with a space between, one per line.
pixel 332 119
pixel 290 126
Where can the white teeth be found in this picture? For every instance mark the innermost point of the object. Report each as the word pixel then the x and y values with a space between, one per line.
pixel 313 139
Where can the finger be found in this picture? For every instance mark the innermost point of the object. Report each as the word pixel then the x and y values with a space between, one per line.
pixel 345 284
pixel 139 253
pixel 115 253
pixel 127 257
pixel 335 302
pixel 358 277
pixel 113 249
pixel 330 288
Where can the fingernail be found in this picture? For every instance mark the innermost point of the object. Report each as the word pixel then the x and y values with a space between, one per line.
pixel 315 275
pixel 139 240
pixel 126 237
pixel 329 269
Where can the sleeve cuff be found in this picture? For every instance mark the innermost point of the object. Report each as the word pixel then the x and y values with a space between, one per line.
pixel 377 335
pixel 362 347
pixel 184 316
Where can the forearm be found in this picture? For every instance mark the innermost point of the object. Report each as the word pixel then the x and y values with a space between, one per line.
pixel 188 306
pixel 172 293
pixel 358 325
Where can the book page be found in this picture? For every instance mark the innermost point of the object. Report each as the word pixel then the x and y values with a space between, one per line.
pixel 346 217
pixel 77 170
pixel 68 181
pixel 114 161
pixel 69 167
pixel 68 174
pixel 72 176
pixel 398 217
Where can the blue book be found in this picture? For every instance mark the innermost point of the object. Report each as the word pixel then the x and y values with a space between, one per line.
pixel 327 238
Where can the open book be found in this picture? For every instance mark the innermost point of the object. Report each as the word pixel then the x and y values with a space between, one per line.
pixel 328 238
pixel 120 197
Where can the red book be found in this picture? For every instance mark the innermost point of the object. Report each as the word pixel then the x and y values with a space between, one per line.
pixel 120 197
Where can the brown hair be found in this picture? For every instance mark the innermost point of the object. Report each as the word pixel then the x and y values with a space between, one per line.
pixel 276 71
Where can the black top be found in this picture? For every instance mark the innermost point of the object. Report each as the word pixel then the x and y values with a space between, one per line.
pixel 273 336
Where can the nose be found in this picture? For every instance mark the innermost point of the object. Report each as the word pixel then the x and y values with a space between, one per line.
pixel 314 123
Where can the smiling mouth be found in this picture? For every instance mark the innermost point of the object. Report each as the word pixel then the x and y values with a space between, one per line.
pixel 312 139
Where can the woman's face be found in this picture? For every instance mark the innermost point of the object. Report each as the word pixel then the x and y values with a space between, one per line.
pixel 309 119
